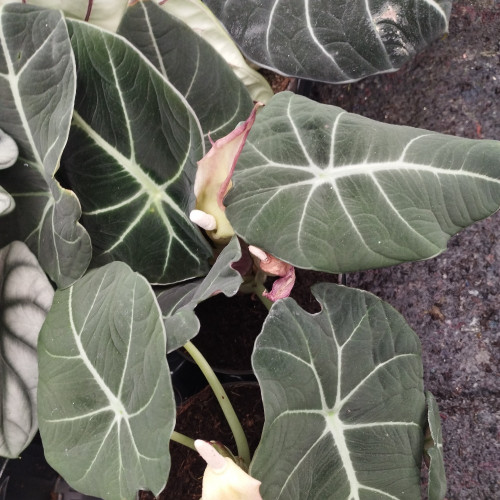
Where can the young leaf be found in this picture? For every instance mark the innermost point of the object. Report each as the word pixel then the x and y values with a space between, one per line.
pixel 324 189
pixel 25 299
pixel 37 89
pixel 106 406
pixel 332 41
pixel 178 303
pixel 437 474
pixel 131 158
pixel 218 98
pixel 352 376
pixel 200 19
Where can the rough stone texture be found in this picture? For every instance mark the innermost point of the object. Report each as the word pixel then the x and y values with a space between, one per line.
pixel 452 301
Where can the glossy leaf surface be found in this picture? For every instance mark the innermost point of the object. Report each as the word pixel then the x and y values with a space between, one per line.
pixel 37 90
pixel 106 406
pixel 437 473
pixel 351 376
pixel 332 41
pixel 178 303
pixel 131 158
pixel 26 296
pixel 328 190
pixel 218 98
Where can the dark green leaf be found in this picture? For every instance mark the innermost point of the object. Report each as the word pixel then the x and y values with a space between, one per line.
pixel 328 190
pixel 332 41
pixel 216 95
pixel 106 405
pixel 131 159
pixel 37 90
pixel 343 400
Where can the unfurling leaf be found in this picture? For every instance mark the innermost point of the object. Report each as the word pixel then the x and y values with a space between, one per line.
pixel 213 177
pixel 282 287
pixel 223 479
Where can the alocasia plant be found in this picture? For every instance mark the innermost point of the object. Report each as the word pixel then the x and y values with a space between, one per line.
pixel 121 136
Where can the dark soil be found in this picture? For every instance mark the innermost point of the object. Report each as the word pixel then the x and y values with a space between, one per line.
pixel 202 417
pixel 452 301
pixel 229 327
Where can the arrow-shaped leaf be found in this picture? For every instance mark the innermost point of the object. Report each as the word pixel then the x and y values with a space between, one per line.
pixel 37 90
pixel 106 406
pixel 343 400
pixel 332 41
pixel 26 296
pixel 131 158
pixel 328 190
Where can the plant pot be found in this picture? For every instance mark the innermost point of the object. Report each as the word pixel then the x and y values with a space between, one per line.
pixel 201 417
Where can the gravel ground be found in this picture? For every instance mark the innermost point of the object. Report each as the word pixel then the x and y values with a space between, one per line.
pixel 451 301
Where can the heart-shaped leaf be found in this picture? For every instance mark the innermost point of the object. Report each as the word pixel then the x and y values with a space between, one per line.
pixel 328 190
pixel 343 400
pixel 106 406
pixel 178 303
pixel 437 473
pixel 26 295
pixel 131 158
pixel 332 41
pixel 200 19
pixel 37 90
pixel 218 98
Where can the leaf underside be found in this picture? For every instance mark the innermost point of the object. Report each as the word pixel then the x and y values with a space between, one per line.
pixel 37 89
pixel 131 158
pixel 106 406
pixel 352 376
pixel 324 189
pixel 26 295
pixel 332 41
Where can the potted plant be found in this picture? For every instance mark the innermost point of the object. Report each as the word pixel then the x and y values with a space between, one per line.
pixel 110 128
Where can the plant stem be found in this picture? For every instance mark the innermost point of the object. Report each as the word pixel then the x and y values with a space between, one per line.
pixel 259 290
pixel 225 404
pixel 182 439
